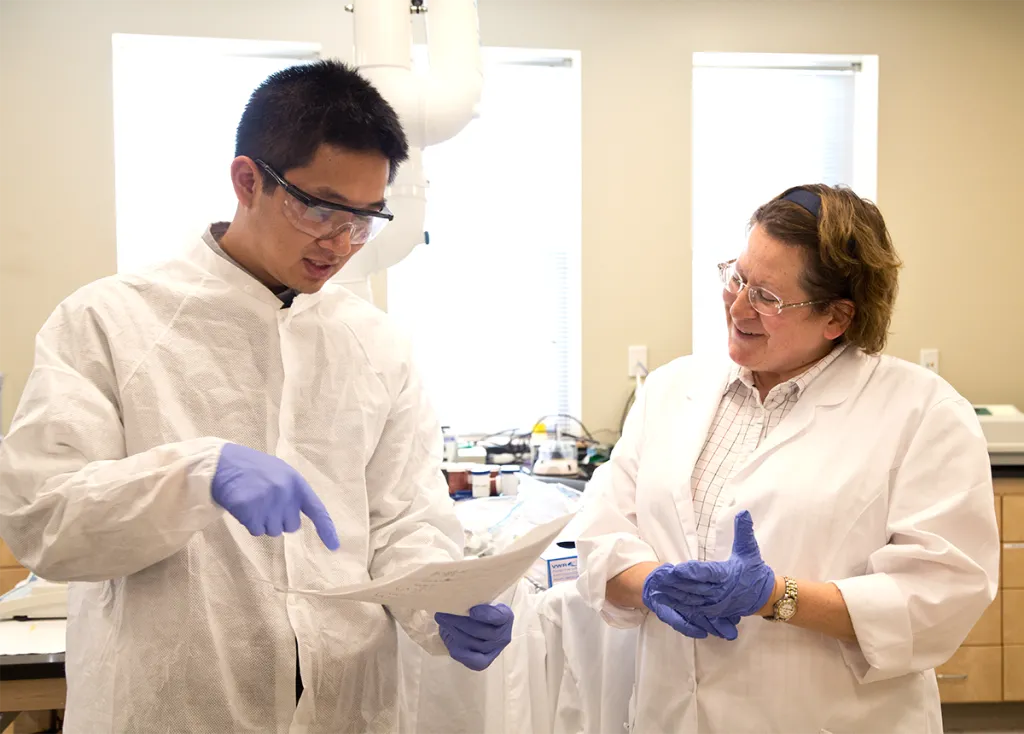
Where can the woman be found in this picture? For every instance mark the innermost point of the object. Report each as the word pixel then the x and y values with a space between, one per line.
pixel 836 538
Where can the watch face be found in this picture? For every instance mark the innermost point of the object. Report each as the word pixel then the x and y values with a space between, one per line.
pixel 787 608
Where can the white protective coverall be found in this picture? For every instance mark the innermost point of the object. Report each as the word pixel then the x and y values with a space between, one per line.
pixel 878 480
pixel 172 627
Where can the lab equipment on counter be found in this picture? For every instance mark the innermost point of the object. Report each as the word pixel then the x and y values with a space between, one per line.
pixel 472 454
pixel 1003 426
pixel 557 457
pixel 35 598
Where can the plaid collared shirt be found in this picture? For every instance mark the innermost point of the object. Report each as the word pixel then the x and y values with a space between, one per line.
pixel 741 423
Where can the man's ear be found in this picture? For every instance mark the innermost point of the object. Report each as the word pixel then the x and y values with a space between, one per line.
pixel 840 316
pixel 245 178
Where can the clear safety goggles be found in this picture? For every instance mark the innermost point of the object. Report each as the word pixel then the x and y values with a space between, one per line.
pixel 326 219
pixel 763 301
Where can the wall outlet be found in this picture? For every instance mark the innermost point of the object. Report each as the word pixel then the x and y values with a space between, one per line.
pixel 930 359
pixel 637 356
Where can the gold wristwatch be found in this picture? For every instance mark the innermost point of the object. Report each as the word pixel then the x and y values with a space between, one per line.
pixel 785 607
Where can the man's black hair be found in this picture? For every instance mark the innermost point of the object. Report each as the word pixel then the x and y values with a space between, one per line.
pixel 298 109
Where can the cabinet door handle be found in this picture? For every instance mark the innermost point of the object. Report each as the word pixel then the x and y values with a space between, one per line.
pixel 951 676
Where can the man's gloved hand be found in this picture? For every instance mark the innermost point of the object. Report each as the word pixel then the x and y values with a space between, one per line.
pixel 266 494
pixel 696 625
pixel 738 587
pixel 476 640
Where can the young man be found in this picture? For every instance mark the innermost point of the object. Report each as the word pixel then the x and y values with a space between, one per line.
pixel 179 422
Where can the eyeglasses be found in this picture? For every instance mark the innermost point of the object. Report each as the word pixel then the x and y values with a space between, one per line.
pixel 326 219
pixel 763 301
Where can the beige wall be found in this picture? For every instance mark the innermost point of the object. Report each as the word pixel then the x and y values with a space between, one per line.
pixel 951 157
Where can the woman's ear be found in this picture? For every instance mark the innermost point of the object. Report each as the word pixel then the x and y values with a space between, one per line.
pixel 840 316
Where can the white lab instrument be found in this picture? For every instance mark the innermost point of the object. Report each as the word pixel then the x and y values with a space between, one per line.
pixel 1003 426
pixel 557 458
pixel 432 106
pixel 106 482
pixel 35 598
pixel 875 448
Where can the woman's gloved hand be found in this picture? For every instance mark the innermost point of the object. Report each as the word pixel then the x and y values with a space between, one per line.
pixel 738 587
pixel 267 495
pixel 687 623
pixel 476 640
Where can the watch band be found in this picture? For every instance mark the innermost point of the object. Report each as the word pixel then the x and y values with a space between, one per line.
pixel 785 607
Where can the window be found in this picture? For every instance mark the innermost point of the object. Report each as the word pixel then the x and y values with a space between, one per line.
pixel 761 124
pixel 492 303
pixel 177 102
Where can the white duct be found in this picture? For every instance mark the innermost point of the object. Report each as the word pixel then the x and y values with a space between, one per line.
pixel 432 106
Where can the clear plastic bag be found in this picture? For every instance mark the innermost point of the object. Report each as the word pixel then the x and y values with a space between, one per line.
pixel 493 523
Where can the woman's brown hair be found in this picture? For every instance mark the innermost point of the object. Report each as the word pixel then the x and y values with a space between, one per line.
pixel 848 254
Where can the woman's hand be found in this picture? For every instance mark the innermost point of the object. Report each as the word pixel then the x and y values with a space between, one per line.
pixel 738 587
pixel 657 596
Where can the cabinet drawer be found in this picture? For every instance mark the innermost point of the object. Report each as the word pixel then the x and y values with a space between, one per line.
pixel 1013 518
pixel 1013 673
pixel 973 674
pixel 989 629
pixel 1012 576
pixel 1013 617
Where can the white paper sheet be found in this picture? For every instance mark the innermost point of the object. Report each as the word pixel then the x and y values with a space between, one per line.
pixel 454 586
pixel 35 637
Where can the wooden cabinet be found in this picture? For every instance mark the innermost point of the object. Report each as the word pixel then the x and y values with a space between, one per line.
pixel 989 666
pixel 1013 517
pixel 1013 673
pixel 973 674
pixel 1013 617
pixel 989 629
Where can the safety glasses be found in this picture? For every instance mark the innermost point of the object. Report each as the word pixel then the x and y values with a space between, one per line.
pixel 326 219
pixel 763 301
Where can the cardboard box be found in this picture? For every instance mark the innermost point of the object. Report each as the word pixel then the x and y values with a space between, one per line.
pixel 555 566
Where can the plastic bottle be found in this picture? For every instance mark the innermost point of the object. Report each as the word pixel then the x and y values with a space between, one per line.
pixel 481 479
pixel 508 481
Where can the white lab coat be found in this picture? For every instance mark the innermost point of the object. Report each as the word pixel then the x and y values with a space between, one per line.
pixel 173 626
pixel 877 480
pixel 439 696
pixel 589 665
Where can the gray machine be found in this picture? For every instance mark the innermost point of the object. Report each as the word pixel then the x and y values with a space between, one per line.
pixel 1003 426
